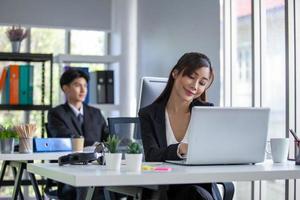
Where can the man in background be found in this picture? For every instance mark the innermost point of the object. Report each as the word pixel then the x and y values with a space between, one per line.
pixel 74 119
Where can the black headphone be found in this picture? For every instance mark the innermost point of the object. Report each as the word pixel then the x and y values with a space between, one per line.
pixel 77 158
pixel 84 158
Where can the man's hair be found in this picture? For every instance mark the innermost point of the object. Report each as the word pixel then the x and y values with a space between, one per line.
pixel 70 75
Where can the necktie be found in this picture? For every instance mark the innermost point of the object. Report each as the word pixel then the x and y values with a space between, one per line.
pixel 80 120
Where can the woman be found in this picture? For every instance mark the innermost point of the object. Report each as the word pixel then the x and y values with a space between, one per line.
pixel 164 123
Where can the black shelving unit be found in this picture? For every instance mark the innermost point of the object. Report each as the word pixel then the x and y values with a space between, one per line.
pixel 29 58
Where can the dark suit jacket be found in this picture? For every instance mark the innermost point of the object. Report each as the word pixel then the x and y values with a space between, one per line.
pixel 62 122
pixel 153 131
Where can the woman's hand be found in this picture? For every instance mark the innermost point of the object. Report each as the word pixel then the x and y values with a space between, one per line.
pixel 183 147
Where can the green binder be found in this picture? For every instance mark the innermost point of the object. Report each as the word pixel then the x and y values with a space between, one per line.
pixel 23 84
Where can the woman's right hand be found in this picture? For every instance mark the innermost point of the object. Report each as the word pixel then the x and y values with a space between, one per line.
pixel 183 147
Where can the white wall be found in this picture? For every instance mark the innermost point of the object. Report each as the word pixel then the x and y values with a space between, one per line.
pixel 169 28
pixel 77 14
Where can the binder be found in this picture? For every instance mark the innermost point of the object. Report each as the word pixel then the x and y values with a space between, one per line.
pixel 109 83
pixel 30 85
pixel 105 86
pixel 5 93
pixel 23 84
pixel 52 144
pixel 14 84
pixel 101 88
pixel 2 79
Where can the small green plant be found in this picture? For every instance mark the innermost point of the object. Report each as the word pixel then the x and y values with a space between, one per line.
pixel 134 148
pixel 8 132
pixel 112 143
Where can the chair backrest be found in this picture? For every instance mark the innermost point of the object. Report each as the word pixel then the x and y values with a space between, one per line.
pixel 126 128
pixel 150 89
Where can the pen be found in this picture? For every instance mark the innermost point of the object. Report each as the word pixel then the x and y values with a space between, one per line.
pixel 294 135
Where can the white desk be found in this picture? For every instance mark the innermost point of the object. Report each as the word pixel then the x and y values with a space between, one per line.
pixel 32 156
pixel 19 163
pixel 96 175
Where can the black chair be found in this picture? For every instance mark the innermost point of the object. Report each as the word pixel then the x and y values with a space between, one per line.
pixel 128 129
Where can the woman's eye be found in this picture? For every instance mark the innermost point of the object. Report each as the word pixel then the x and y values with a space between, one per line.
pixel 191 77
pixel 202 83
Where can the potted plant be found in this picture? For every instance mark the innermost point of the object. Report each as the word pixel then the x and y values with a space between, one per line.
pixel 15 36
pixel 113 158
pixel 133 157
pixel 7 139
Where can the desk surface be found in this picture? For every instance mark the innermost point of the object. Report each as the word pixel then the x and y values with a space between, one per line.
pixel 32 156
pixel 96 175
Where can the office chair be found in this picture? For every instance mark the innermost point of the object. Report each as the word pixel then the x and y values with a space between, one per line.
pixel 126 128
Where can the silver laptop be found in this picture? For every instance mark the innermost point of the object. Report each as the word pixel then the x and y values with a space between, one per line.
pixel 226 136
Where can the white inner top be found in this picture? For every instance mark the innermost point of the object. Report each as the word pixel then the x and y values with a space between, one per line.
pixel 171 139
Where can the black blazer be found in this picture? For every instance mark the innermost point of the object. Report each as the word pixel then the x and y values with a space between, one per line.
pixel 62 122
pixel 153 131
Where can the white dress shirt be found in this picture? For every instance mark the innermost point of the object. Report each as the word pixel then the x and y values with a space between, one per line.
pixel 75 110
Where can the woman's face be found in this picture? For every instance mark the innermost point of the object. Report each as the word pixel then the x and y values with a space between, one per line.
pixel 190 87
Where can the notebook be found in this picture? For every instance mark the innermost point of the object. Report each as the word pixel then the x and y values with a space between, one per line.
pixel 220 135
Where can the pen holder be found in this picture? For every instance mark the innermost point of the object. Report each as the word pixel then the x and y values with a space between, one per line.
pixel 25 145
pixel 297 152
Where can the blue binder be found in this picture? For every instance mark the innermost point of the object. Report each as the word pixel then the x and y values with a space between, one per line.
pixel 52 144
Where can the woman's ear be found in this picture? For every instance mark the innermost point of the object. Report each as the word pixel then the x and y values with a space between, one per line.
pixel 175 73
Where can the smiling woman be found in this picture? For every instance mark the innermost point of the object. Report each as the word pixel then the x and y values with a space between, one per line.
pixel 164 123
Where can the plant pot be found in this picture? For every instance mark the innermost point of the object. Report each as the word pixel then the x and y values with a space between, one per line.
pixel 113 161
pixel 15 46
pixel 133 162
pixel 7 145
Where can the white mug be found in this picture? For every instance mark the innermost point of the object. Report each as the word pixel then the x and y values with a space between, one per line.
pixel 279 149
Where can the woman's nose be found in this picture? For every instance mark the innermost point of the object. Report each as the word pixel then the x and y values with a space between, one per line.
pixel 194 85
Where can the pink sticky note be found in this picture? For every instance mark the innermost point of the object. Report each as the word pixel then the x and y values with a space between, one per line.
pixel 162 169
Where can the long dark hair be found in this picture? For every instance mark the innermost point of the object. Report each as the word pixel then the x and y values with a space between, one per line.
pixel 187 65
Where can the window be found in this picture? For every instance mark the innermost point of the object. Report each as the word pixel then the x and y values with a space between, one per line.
pixel 241 53
pixel 88 43
pixel 239 70
pixel 274 83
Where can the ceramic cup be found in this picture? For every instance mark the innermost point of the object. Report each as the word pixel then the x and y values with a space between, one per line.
pixel 279 149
